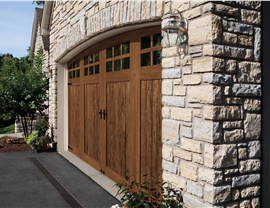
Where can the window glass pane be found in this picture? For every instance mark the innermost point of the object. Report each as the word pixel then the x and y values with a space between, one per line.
pixel 73 65
pixel 109 66
pixel 97 69
pixel 125 48
pixel 157 39
pixel 77 64
pixel 146 42
pixel 91 70
pixel 85 60
pixel 70 66
pixel 96 57
pixel 90 59
pixel 117 50
pixel 70 75
pixel 109 53
pixel 125 63
pixel 78 73
pixel 146 59
pixel 86 71
pixel 73 74
pixel 157 57
pixel 117 65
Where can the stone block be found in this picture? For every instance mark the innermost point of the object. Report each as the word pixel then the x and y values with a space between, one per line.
pixel 232 124
pixel 252 104
pixel 214 78
pixel 168 62
pixel 257 44
pixel 182 114
pixel 246 90
pixel 250 191
pixel 229 38
pixel 230 66
pixel 173 101
pixel 217 194
pixel 249 72
pixel 186 131
pixel 182 154
pixel 167 153
pixel 210 176
pixel 171 73
pixel 248 166
pixel 251 17
pixel 252 126
pixel 241 28
pixel 255 203
pixel 166 112
pixel 234 52
pixel 197 158
pixel 169 52
pixel 190 14
pixel 193 79
pixel 254 149
pixel 178 181
pixel 170 131
pixel 225 156
pixel 244 204
pixel 193 201
pixel 245 40
pixel 191 145
pixel 169 166
pixel 189 170
pixel 167 87
pixel 204 94
pixel 233 135
pixel 242 153
pixel 207 131
pixel 194 189
pixel 208 64
pixel 179 90
pixel 222 112
pixel 226 10
pixel 246 180
pixel 204 29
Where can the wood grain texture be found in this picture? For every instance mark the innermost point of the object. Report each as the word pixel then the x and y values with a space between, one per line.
pixel 151 144
pixel 91 125
pixel 75 125
pixel 117 126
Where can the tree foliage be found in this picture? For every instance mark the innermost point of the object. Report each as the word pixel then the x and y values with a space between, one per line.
pixel 23 88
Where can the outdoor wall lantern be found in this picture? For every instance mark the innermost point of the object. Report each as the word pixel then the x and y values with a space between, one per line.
pixel 175 32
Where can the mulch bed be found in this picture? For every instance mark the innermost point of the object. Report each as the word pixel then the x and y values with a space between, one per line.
pixel 13 144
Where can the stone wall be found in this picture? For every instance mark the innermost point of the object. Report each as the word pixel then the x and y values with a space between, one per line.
pixel 211 106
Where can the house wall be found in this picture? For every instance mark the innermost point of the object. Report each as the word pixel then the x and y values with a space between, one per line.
pixel 211 97
pixel 211 106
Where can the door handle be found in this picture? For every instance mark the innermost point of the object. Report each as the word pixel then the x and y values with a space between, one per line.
pixel 104 114
pixel 100 113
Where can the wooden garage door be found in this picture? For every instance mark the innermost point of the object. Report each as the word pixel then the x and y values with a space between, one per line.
pixel 115 105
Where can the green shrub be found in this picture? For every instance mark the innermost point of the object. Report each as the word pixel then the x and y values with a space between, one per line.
pixel 32 137
pixel 42 126
pixel 149 195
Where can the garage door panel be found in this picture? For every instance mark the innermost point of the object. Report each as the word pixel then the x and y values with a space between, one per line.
pixel 74 117
pixel 117 126
pixel 92 121
pixel 150 129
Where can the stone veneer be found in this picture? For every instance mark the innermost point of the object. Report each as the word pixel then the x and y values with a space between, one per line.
pixel 211 106
pixel 211 98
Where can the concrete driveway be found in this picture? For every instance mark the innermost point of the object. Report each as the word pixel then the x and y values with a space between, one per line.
pixel 30 179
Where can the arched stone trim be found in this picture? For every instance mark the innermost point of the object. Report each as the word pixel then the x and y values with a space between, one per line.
pixel 95 18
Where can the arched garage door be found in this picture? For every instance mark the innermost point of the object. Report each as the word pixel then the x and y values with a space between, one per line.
pixel 115 105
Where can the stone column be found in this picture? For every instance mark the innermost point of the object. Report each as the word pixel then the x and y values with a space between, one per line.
pixel 211 106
